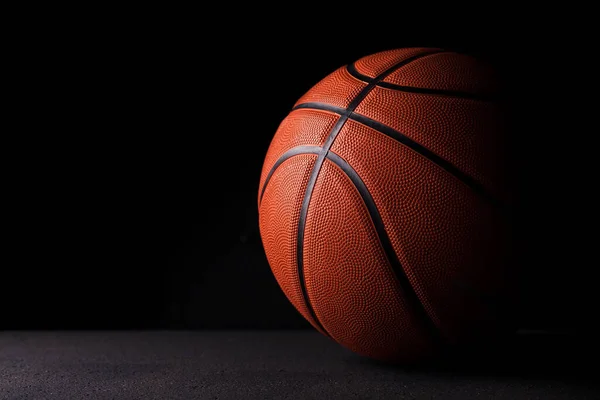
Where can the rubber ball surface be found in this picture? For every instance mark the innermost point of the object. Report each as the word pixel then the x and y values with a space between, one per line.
pixel 380 203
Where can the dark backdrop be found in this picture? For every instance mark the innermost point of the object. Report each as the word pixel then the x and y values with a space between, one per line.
pixel 143 148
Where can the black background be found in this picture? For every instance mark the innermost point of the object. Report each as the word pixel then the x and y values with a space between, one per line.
pixel 142 142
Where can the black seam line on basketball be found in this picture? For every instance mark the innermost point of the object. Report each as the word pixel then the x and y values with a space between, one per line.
pixel 351 68
pixel 288 154
pixel 407 288
pixel 317 168
pixel 416 147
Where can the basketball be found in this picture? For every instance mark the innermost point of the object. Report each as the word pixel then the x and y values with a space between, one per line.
pixel 382 204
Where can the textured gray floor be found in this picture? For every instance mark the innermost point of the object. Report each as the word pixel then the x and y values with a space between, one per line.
pixel 276 365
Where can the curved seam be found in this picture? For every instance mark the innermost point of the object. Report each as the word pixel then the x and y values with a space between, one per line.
pixel 294 151
pixel 414 146
pixel 455 94
pixel 317 168
pixel 398 270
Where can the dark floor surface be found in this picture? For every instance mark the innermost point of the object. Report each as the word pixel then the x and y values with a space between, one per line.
pixel 278 365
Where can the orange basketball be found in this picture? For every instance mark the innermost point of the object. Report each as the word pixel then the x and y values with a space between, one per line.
pixel 382 204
